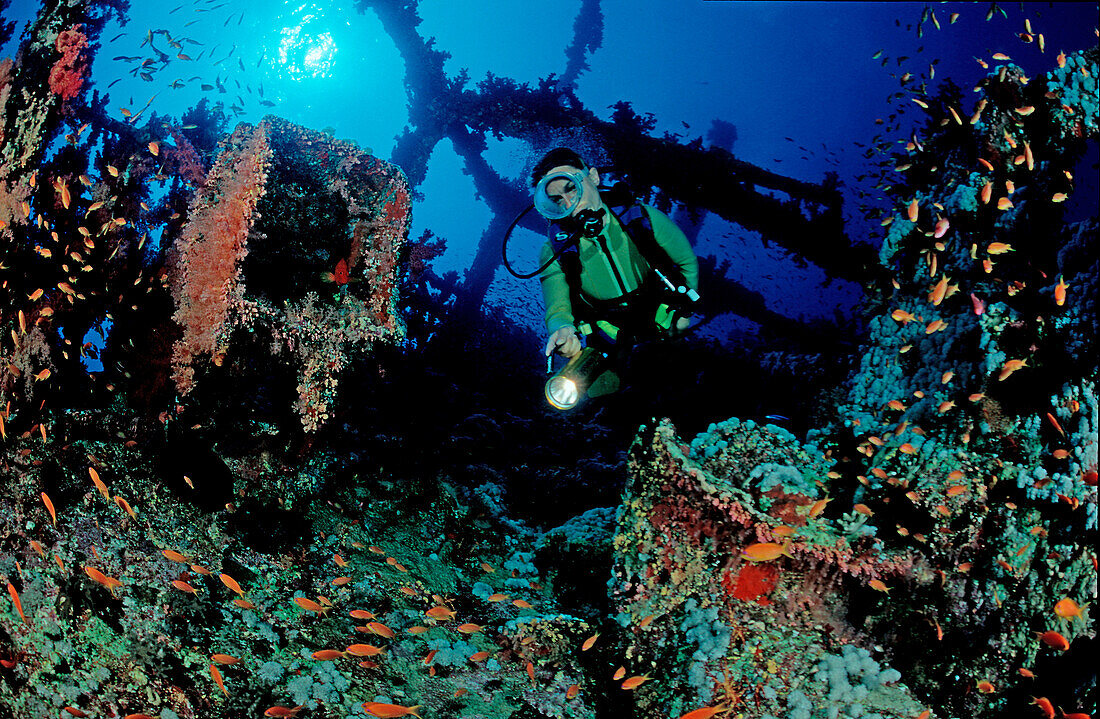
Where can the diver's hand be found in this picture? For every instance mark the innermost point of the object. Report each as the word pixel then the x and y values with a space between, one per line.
pixel 682 323
pixel 565 341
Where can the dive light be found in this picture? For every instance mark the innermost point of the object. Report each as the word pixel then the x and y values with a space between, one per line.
pixel 568 386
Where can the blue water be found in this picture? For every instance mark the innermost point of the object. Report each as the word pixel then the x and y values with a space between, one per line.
pixel 797 80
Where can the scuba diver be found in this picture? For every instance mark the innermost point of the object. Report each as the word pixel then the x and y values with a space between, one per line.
pixel 614 272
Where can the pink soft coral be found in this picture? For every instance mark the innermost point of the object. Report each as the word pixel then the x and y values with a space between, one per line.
pixel 67 74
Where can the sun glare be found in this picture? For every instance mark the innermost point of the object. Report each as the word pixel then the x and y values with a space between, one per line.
pixel 306 48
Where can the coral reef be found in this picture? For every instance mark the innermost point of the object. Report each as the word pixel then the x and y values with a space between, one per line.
pixel 357 209
pixel 209 528
pixel 68 73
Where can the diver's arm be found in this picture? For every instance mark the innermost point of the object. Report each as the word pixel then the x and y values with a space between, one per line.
pixel 559 312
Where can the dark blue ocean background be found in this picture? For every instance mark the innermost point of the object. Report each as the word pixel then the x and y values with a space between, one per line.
pixel 796 79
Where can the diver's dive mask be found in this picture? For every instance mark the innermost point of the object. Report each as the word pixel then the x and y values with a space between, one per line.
pixel 558 194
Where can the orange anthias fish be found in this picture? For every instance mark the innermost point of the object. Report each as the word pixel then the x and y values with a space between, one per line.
pixel 125 506
pixel 766 551
pixel 378 709
pixel 283 711
pixel 1067 609
pixel 440 612
pixel 589 642
pixel 15 600
pixel 1054 640
pixel 364 650
pixel 1044 706
pixel 327 655
pixel 635 682
pixel 101 578
pixel 184 587
pixel 1060 292
pixel 705 712
pixel 1011 366
pixel 902 316
pixel 469 628
pixel 309 605
pixel 224 659
pixel 818 507
pixel 231 583
pixel 939 291
pixel 49 505
pixel 380 629
pixel 99 483
pixel 217 677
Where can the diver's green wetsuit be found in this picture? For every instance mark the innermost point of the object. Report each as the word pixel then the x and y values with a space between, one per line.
pixel 598 280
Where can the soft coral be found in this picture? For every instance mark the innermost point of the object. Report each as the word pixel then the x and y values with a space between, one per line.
pixel 67 74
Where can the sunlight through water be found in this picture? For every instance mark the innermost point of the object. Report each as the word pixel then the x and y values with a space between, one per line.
pixel 306 48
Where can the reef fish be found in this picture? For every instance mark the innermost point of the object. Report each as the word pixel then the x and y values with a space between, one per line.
pixel 15 600
pixel 217 677
pixel 231 583
pixel 309 605
pixel 99 483
pixel 1067 608
pixel 1009 367
pixel 1060 292
pixel 327 655
pixel 939 291
pixel 766 551
pixel 704 712
pixel 49 505
pixel 283 711
pixel 440 612
pixel 1044 706
pixel 379 709
pixel 1054 640
pixel 101 578
pixel 380 629
pixel 184 586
